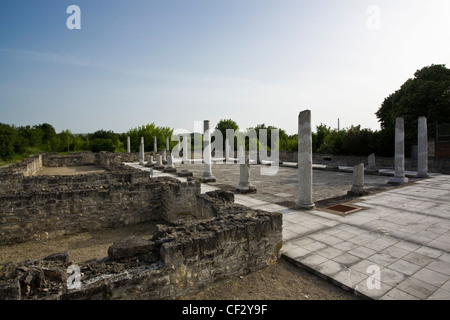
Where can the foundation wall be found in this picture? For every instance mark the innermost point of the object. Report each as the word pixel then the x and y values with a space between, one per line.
pixel 179 260
pixel 44 214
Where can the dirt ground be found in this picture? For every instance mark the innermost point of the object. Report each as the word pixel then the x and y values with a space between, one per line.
pixel 281 281
pixel 51 171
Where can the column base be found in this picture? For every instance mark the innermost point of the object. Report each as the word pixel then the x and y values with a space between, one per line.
pixel 422 175
pixel 170 170
pixel 357 191
pixel 208 179
pixel 245 189
pixel 398 180
pixel 185 173
pixel 305 206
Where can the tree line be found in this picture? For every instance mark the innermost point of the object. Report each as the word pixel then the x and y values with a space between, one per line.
pixel 427 94
pixel 17 142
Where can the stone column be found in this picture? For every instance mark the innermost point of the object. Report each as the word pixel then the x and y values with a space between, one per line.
pixel 371 162
pixel 422 148
pixel 245 186
pixel 141 152
pixel 185 149
pixel 167 144
pixel 158 165
pixel 155 147
pixel 241 155
pixel 150 162
pixel 358 181
pixel 304 161
pixel 164 159
pixel 170 167
pixel 399 176
pixel 227 151
pixel 207 173
pixel 128 145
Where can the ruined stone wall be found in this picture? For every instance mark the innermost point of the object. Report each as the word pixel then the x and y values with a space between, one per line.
pixel 70 160
pixel 44 214
pixel 179 260
pixel 27 167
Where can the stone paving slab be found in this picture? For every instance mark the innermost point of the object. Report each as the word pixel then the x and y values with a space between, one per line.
pixel 413 263
pixel 401 238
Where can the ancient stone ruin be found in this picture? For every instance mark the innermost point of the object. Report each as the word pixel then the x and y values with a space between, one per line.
pixel 201 238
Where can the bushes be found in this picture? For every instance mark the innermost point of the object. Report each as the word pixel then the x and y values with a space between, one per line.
pixel 353 141
pixel 8 138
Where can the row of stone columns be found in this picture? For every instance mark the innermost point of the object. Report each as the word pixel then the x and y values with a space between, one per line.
pixel 422 149
pixel 305 159
pixel 305 170
pixel 155 149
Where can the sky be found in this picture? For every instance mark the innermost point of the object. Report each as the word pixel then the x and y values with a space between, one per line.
pixel 175 62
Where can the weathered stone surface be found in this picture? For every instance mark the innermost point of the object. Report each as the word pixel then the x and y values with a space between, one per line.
pixel 207 238
pixel 191 256
pixel 87 207
pixel 185 173
pixel 10 290
pixel 221 194
pixel 129 247
pixel 63 257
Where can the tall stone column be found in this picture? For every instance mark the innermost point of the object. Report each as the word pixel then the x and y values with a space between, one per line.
pixel 399 176
pixel 304 161
pixel 422 148
pixel 371 162
pixel 186 153
pixel 155 147
pixel 128 145
pixel 167 144
pixel 207 172
pixel 227 151
pixel 141 152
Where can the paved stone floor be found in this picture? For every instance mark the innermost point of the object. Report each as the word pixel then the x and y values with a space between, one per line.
pixel 396 246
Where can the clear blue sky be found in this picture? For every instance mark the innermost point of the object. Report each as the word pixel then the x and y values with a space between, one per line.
pixel 175 62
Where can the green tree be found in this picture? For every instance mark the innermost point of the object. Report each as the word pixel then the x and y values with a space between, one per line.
pixel 318 137
pixel 102 140
pixel 225 124
pixel 358 142
pixel 427 94
pixel 30 137
pixel 8 137
pixel 65 139
pixel 48 133
pixel 149 131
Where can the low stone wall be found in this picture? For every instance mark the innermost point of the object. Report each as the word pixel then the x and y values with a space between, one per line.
pixel 180 259
pixel 27 167
pixel 26 216
pixel 436 165
pixel 70 160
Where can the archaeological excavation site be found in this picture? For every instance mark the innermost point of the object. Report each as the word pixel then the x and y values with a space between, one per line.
pixel 198 239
